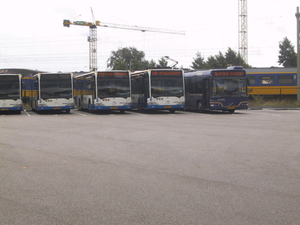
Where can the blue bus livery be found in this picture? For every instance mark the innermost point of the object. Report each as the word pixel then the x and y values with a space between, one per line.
pixel 217 89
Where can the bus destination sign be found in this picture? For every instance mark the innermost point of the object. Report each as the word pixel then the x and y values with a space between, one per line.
pixel 112 74
pixel 229 73
pixel 166 73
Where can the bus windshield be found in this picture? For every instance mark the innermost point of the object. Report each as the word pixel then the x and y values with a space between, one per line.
pixel 113 86
pixel 56 86
pixel 9 87
pixel 166 85
pixel 229 87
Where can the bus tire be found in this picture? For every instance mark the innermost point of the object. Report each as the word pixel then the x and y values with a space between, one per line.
pixel 172 110
pixel 231 111
pixel 68 110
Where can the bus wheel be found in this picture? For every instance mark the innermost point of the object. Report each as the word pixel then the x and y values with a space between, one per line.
pixel 122 111
pixel 172 110
pixel 68 110
pixel 231 111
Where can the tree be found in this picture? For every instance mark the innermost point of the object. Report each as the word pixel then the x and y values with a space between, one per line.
pixel 199 62
pixel 162 63
pixel 128 59
pixel 287 56
pixel 219 61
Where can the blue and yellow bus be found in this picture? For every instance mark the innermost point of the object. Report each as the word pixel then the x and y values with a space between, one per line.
pixel 158 89
pixel 217 89
pixel 103 90
pixel 11 92
pixel 51 91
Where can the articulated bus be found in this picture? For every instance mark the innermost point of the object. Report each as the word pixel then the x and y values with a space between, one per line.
pixel 11 92
pixel 158 89
pixel 217 89
pixel 52 91
pixel 103 90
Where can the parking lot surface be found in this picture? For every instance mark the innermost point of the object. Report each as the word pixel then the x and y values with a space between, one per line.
pixel 150 168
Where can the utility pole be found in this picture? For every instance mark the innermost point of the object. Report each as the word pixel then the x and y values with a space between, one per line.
pixel 298 53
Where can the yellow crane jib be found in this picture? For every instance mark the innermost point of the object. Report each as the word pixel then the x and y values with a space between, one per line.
pixel 67 23
pixel 92 38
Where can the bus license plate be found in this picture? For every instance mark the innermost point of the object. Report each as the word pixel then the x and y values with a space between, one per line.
pixel 114 107
pixel 230 107
pixel 4 109
pixel 168 106
pixel 56 108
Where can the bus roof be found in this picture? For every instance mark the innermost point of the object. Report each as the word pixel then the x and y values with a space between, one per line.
pixel 212 71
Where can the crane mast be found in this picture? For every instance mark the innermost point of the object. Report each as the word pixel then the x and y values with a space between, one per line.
pixel 243 29
pixel 92 39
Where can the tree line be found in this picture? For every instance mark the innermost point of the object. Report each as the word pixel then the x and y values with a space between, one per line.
pixel 130 58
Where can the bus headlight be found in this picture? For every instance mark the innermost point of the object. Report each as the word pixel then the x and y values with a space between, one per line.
pixel 215 105
pixel 98 104
pixel 18 103
pixel 152 103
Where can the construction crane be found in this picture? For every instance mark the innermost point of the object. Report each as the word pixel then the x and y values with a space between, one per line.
pixel 92 38
pixel 243 29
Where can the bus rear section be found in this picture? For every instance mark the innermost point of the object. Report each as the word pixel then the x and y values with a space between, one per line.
pixel 103 91
pixel 11 92
pixel 52 91
pixel 218 89
pixel 158 89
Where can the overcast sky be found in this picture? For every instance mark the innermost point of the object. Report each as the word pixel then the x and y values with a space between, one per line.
pixel 32 35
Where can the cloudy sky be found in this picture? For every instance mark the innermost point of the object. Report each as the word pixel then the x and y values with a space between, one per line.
pixel 32 35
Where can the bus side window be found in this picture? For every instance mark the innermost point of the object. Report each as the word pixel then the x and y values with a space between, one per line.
pixel 199 87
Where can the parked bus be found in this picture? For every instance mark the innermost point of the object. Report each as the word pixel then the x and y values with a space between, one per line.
pixel 11 92
pixel 103 90
pixel 217 89
pixel 158 89
pixel 52 91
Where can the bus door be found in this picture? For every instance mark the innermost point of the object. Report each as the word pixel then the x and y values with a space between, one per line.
pixel 206 92
pixel 144 92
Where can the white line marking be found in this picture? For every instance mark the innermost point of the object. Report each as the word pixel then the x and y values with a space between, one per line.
pixel 27 113
pixel 80 114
